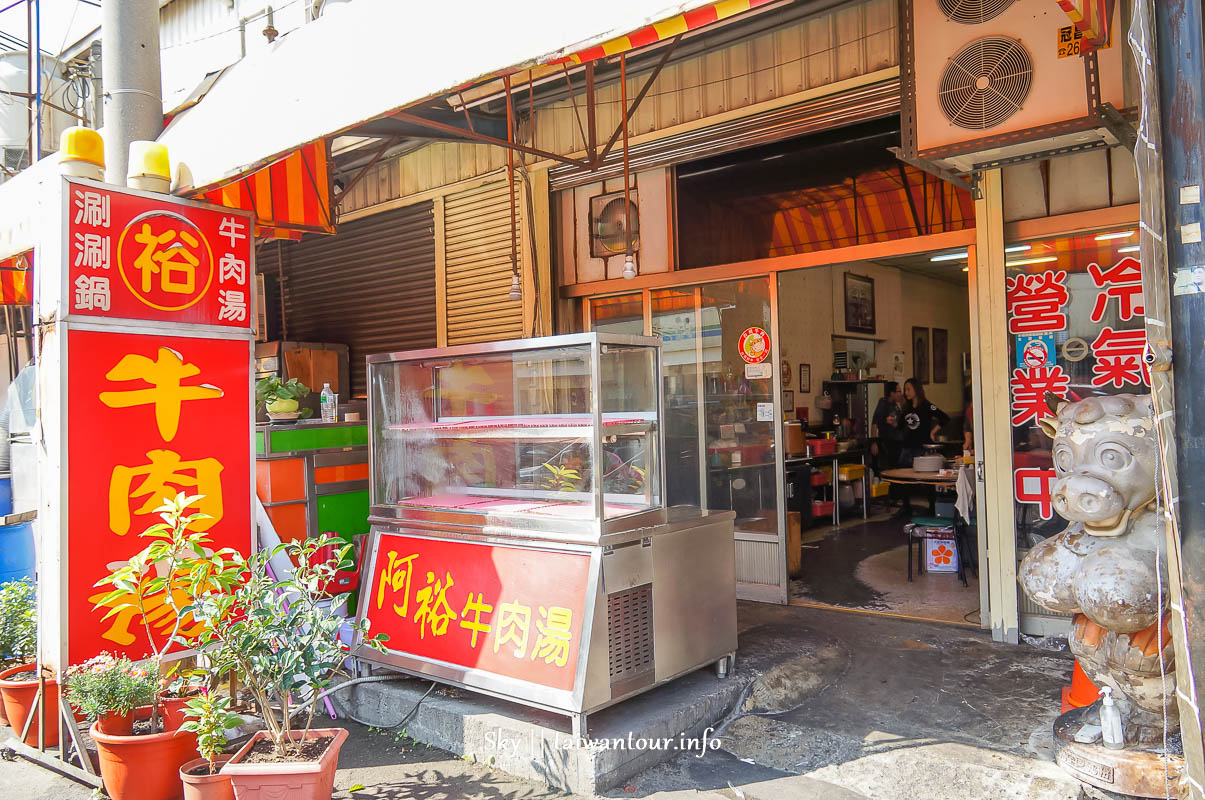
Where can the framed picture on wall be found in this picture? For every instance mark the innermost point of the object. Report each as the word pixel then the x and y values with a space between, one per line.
pixel 788 403
pixel 805 378
pixel 920 354
pixel 941 347
pixel 859 303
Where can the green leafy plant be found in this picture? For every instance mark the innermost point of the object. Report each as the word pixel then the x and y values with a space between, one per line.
pixel 281 637
pixel 18 621
pixel 169 572
pixel 562 479
pixel 110 684
pixel 209 717
pixel 280 397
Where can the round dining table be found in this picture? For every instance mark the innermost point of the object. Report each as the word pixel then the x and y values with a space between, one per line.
pixel 934 481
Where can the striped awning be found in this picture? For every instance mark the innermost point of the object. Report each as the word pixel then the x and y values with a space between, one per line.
pixel 289 197
pixel 14 279
pixel 665 29
pixel 877 206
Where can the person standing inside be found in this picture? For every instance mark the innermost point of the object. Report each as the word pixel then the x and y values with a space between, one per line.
pixel 922 421
pixel 886 433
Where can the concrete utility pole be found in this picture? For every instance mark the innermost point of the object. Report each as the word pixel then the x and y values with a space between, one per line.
pixel 1178 218
pixel 133 87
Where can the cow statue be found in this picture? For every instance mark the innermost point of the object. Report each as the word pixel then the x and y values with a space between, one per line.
pixel 1103 567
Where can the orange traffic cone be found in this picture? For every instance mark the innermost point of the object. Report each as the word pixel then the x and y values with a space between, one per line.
pixel 1082 691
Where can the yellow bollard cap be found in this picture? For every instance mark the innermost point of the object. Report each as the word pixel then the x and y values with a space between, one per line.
pixel 149 160
pixel 82 144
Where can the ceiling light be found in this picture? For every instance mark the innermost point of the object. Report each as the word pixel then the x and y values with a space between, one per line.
pixel 966 269
pixel 950 256
pixel 1018 248
pixel 1131 249
pixel 1022 262
pixel 1104 237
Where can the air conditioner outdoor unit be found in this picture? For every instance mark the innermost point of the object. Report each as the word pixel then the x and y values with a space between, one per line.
pixel 994 81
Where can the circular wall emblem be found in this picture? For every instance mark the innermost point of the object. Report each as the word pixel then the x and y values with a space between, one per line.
pixel 1075 349
pixel 754 345
pixel 165 260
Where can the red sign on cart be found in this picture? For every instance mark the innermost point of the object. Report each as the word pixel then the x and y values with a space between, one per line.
pixel 148 416
pixel 512 611
pixel 132 256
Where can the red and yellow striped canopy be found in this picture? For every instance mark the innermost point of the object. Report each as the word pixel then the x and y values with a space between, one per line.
pixel 289 197
pixel 666 29
pixel 15 282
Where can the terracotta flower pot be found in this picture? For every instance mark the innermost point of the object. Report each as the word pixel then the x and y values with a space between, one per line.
pixel 172 709
pixel 206 787
pixel 144 767
pixel 116 724
pixel 18 697
pixel 296 780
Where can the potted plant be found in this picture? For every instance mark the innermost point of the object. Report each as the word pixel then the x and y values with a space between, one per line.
pixel 18 648
pixel 209 717
pixel 282 639
pixel 178 688
pixel 108 689
pixel 280 398
pixel 170 571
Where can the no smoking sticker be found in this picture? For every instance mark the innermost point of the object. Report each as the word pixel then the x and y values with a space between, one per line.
pixel 1035 350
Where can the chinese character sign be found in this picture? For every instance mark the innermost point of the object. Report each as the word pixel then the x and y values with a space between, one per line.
pixel 1076 329
pixel 133 257
pixel 149 416
pixel 511 611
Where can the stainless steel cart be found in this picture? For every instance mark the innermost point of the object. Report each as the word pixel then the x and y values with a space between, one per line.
pixel 520 544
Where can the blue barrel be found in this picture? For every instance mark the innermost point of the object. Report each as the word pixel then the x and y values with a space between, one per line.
pixel 16 551
pixel 6 495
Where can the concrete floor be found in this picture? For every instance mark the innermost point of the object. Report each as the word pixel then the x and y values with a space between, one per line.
pixel 864 566
pixel 842 705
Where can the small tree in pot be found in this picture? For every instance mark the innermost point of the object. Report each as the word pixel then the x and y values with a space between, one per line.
pixel 174 568
pixel 209 717
pixel 281 636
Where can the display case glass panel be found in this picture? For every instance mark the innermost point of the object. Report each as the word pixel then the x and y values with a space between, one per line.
pixel 519 432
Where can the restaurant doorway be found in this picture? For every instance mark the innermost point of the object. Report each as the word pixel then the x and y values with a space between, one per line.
pixel 878 526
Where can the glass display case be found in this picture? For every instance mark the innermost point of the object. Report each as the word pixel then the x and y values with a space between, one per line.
pixel 566 429
pixel 521 545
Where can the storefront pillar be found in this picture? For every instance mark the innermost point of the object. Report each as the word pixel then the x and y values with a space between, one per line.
pixel 994 441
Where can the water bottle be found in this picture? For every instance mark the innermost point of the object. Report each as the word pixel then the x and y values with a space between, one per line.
pixel 328 402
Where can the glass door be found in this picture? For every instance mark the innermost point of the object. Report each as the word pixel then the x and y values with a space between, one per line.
pixel 739 421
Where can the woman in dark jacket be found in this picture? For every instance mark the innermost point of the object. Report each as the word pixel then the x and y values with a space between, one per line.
pixel 922 421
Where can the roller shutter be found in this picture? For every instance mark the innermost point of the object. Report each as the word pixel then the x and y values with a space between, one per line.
pixel 371 286
pixel 477 264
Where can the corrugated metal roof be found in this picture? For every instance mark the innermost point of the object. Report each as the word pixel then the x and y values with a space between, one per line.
pixel 371 57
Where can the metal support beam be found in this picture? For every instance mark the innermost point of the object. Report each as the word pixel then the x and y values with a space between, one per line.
pixel 961 181
pixel 461 133
pixel 623 123
pixel 388 143
pixel 1118 125
pixel 591 122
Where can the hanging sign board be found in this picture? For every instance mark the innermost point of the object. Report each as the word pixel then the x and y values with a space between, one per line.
pixel 150 359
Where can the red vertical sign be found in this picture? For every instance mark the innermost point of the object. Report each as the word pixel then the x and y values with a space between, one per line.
pixel 151 415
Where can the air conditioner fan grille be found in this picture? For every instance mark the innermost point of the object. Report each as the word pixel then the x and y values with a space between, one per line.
pixel 985 83
pixel 973 12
